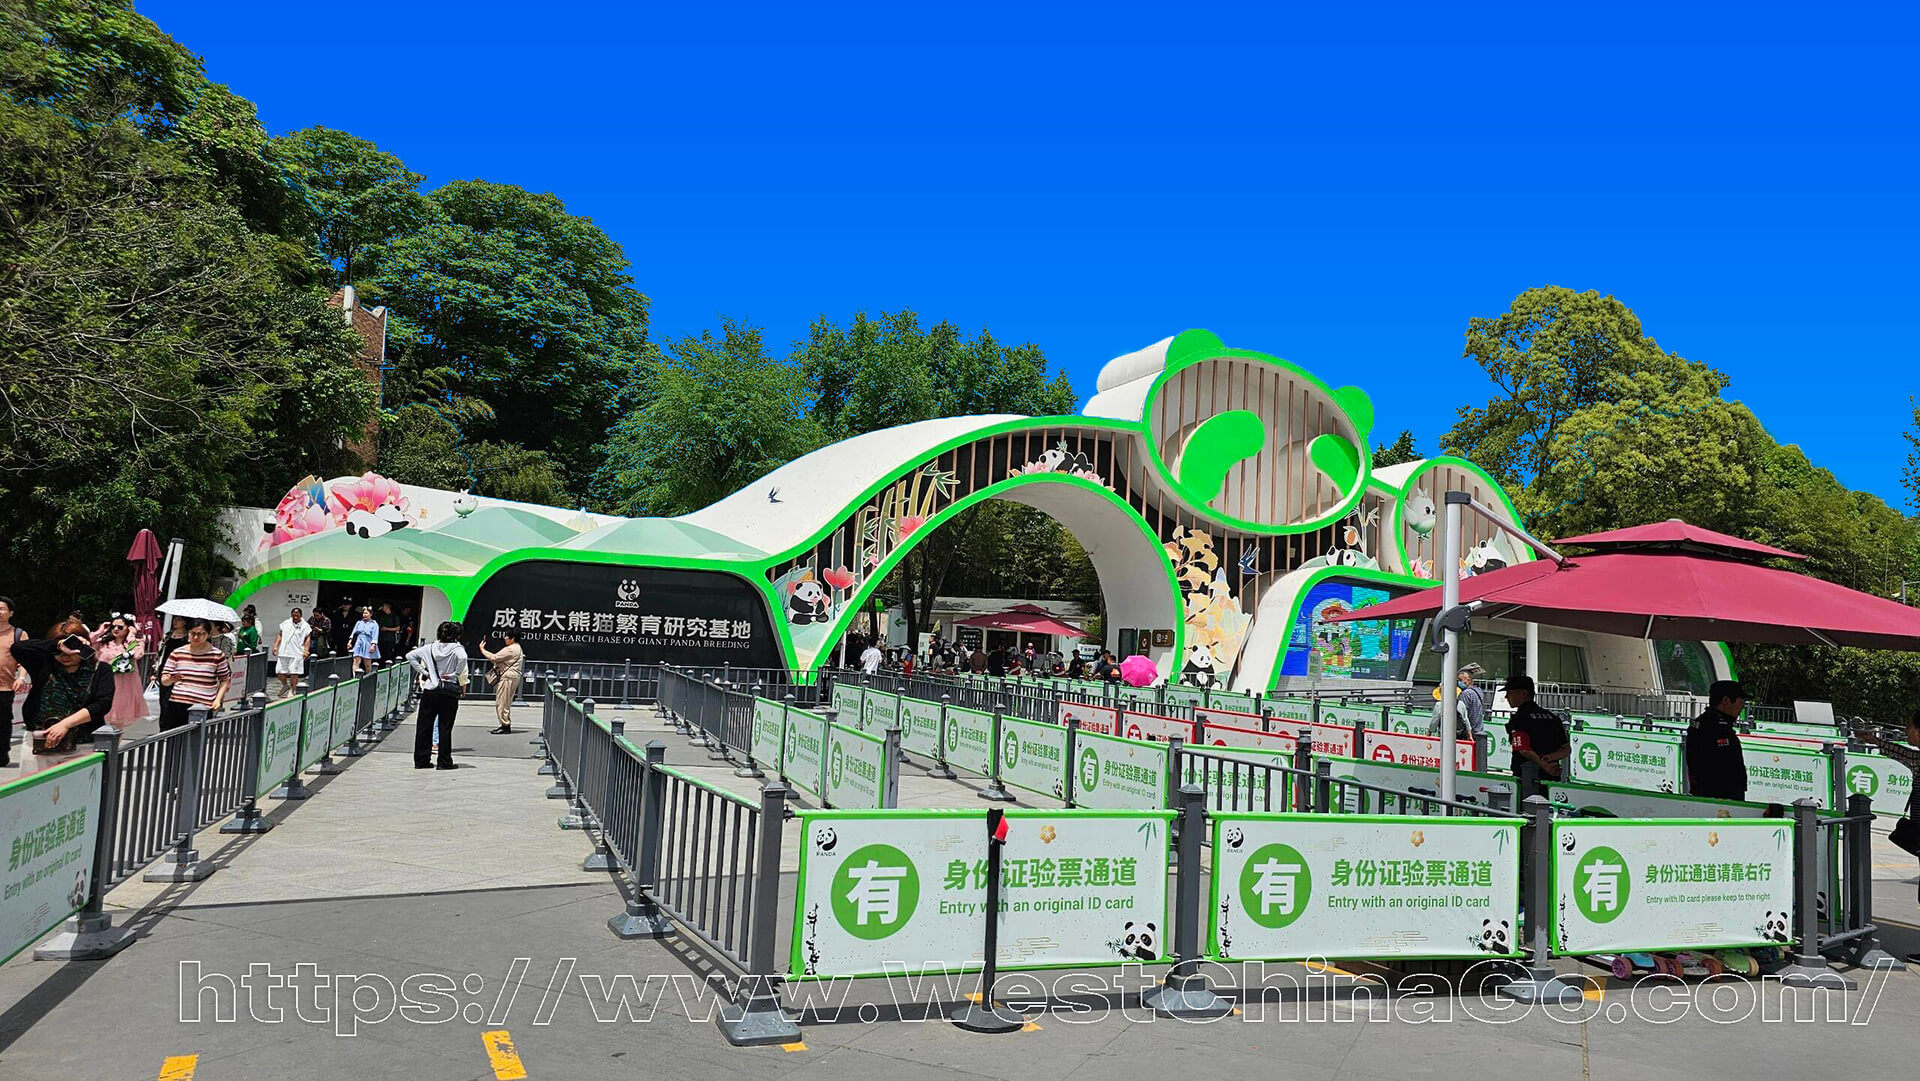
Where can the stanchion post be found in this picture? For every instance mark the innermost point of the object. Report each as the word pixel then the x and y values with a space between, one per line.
pixel 985 1014
pixel 994 790
pixel 90 934
pixel 751 768
pixel 1185 992
pixel 1302 766
pixel 1537 982
pixel 327 767
pixel 940 770
pixel 757 1018
pixel 248 818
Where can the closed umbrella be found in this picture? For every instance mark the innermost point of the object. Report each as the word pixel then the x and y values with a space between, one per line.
pixel 145 557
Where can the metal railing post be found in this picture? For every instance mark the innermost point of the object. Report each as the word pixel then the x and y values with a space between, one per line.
pixel 248 818
pixel 1537 981
pixel 294 787
pixel 579 816
pixel 548 710
pixel 717 749
pixel 602 858
pixel 1322 802
pixel 1302 764
pixel 1184 992
pixel 183 863
pixel 1805 967
pixel 1482 747
pixel 942 771
pixel 751 768
pixel 362 715
pixel 566 728
pixel 890 760
pixel 1859 873
pixel 643 917
pixel 90 934
pixel 326 767
pixel 758 1018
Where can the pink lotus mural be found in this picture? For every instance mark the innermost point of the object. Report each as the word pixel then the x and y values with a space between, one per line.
pixel 311 507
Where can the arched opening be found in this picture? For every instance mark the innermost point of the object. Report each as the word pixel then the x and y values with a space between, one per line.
pixel 1133 587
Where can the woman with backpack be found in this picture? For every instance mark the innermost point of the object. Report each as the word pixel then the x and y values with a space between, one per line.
pixel 442 667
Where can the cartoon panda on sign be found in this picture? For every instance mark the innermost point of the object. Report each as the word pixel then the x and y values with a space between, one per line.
pixel 1140 941
pixel 1199 669
pixel 807 600
pixel 1774 927
pixel 367 524
pixel 825 838
pixel 1236 837
pixel 1495 937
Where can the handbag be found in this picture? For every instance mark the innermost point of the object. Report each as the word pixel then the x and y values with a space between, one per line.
pixel 1905 834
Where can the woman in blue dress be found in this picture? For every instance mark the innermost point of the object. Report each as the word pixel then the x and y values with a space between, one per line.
pixel 366 642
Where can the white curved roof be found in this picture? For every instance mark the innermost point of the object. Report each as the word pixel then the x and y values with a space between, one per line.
pixel 814 489
pixel 1395 476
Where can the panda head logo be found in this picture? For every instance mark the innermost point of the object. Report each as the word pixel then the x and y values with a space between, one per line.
pixel 1053 458
pixel 1773 927
pixel 628 590
pixel 77 896
pixel 378 522
pixel 1566 842
pixel 1235 837
pixel 1140 941
pixel 1495 937
pixel 825 838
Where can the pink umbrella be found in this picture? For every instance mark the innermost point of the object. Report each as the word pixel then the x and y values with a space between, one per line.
pixel 145 557
pixel 1138 671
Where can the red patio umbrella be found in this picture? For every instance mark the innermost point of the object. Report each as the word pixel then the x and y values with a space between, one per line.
pixel 145 557
pixel 1671 580
pixel 1026 618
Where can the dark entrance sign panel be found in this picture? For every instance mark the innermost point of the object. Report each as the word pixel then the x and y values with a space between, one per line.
pixel 647 615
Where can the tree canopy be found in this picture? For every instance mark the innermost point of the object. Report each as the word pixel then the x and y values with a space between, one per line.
pixel 162 318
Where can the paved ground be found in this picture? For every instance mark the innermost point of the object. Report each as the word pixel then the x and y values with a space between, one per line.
pixel 454 896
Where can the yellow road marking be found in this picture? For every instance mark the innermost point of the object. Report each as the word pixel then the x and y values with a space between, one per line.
pixel 500 1052
pixel 1598 992
pixel 1335 969
pixel 179 1068
pixel 1030 1027
pixel 794 1046
pixel 973 996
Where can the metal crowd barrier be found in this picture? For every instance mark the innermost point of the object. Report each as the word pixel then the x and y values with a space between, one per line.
pixel 159 792
pixel 696 856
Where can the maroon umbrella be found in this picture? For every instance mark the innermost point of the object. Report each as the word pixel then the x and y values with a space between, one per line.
pixel 145 557
pixel 1026 618
pixel 1670 580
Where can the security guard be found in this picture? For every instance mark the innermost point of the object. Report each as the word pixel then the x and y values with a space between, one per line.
pixel 1715 766
pixel 1537 734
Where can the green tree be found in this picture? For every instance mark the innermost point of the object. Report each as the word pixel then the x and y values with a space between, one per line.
pixel 1552 353
pixel 877 372
pixel 505 297
pixel 420 444
pixel 158 306
pixel 361 196
pixel 1910 476
pixel 1398 452
pixel 718 413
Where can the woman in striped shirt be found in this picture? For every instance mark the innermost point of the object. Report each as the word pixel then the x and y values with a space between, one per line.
pixel 197 675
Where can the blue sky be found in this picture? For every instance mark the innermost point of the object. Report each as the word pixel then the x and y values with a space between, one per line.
pixel 1341 185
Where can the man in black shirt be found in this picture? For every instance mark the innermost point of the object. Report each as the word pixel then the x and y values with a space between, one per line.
pixel 1538 735
pixel 1715 767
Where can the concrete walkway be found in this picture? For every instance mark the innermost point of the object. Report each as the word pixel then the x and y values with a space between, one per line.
pixel 436 908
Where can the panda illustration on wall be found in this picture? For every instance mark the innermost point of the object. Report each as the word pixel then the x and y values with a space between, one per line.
pixel 1140 941
pixel 1199 668
pixel 376 523
pixel 807 600
pixel 1495 937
